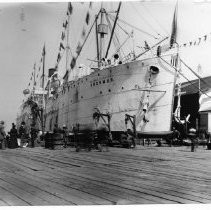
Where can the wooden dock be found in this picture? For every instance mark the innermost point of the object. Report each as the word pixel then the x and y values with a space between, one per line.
pixel 145 175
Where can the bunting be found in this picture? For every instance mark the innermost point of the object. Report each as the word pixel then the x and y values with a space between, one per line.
pixel 58 57
pixel 73 62
pixel 63 35
pixel 83 33
pixel 70 8
pixel 199 40
pixel 174 29
pixel 61 46
pixel 65 24
pixel 43 51
pixel 78 48
pixel 87 18
pixel 196 42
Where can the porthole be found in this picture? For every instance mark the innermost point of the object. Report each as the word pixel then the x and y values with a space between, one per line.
pixel 103 81
pixel 122 88
pixel 100 92
pixel 96 83
pixel 109 90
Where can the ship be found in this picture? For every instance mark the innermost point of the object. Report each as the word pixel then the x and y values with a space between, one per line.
pixel 115 92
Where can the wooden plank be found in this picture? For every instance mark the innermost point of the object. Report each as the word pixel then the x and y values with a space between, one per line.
pixel 119 176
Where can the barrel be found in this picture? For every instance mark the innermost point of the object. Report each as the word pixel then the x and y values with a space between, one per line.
pixel 54 140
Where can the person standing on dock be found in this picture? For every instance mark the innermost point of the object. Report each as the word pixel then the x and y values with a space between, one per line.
pixel 192 136
pixel 22 133
pixel 13 137
pixel 34 132
pixel 2 135
pixel 65 135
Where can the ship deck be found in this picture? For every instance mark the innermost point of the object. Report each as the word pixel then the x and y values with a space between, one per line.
pixel 145 175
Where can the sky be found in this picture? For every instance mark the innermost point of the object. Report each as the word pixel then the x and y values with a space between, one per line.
pixel 26 27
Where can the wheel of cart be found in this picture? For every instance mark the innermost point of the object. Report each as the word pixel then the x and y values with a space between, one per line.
pixel 83 140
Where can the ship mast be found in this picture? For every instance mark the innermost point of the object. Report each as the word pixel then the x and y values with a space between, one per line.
pixel 43 88
pixel 34 82
pixel 112 33
pixel 67 42
pixel 102 30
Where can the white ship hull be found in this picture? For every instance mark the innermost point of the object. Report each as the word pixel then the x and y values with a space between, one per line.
pixel 118 90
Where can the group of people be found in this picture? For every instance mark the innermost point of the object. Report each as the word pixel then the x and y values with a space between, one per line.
pixel 18 137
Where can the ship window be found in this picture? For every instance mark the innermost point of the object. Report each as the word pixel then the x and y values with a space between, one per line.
pixel 103 81
pixel 107 80
pixel 74 85
pixel 98 74
pixel 96 83
pixel 100 92
pixel 93 84
pixel 109 90
pixel 122 88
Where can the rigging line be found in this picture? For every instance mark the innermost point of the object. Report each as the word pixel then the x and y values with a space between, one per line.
pixel 195 73
pixel 115 40
pixel 129 35
pixel 119 44
pixel 151 48
pixel 138 29
pixel 164 29
pixel 112 18
pixel 113 28
pixel 87 35
pixel 139 14
pixel 196 86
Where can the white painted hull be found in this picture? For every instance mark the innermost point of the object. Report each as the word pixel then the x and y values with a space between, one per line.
pixel 118 90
